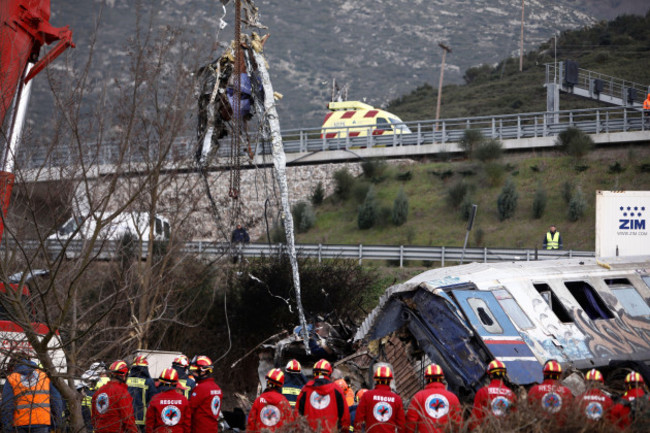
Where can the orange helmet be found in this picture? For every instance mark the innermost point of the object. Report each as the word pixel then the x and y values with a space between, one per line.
pixel 634 379
pixel 594 376
pixel 141 361
pixel 181 361
pixel 293 366
pixel 383 373
pixel 552 367
pixel 169 376
pixel 496 368
pixel 360 394
pixel 323 368
pixel 119 368
pixel 433 371
pixel 275 377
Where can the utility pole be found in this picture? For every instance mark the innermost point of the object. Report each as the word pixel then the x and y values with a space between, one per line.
pixel 445 50
pixel 521 42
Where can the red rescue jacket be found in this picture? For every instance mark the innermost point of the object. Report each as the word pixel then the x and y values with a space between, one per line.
pixel 621 411
pixel 168 412
pixel 553 397
pixel 381 410
pixel 432 409
pixel 112 409
pixel 323 403
pixel 270 411
pixel 205 406
pixel 596 405
pixel 494 400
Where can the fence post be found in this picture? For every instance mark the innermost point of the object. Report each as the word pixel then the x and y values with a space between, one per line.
pixel 570 254
pixel 527 255
pixel 518 127
pixel 442 259
pixel 360 254
pixel 401 256
pixel 484 254
pixel 320 247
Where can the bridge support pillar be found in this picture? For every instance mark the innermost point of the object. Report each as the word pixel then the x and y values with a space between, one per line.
pixel 552 103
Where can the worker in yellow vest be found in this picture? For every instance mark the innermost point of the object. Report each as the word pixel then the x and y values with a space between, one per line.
pixel 30 403
pixel 553 239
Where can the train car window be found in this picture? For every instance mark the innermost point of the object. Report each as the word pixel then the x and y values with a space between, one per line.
pixel 512 309
pixel 482 311
pixel 629 298
pixel 383 124
pixel 589 300
pixel 560 311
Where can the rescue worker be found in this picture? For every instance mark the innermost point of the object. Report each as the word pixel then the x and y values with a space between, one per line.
pixel 348 392
pixel 594 402
pixel 552 239
pixel 622 411
pixel 112 405
pixel 323 403
pixel 353 408
pixel 205 400
pixel 551 396
pixel 181 365
pixel 380 409
pixel 30 403
pixel 495 399
pixel 294 380
pixel 433 409
pixel 271 410
pixel 646 108
pixel 169 410
pixel 142 389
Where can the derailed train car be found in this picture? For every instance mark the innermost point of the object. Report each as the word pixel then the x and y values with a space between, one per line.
pixel 584 313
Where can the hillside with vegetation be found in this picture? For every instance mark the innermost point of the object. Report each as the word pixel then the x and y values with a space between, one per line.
pixel 544 187
pixel 619 48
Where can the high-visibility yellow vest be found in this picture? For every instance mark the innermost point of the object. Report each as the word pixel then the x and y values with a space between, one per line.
pixel 31 398
pixel 138 382
pixel 186 389
pixel 552 241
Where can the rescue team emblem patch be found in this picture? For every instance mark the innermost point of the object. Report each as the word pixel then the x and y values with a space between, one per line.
pixel 382 411
pixel 102 402
pixel 270 415
pixel 552 402
pixel 318 401
pixel 594 410
pixel 500 406
pixel 215 405
pixel 170 415
pixel 437 406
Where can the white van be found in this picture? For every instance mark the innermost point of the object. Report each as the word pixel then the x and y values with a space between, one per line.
pixel 136 224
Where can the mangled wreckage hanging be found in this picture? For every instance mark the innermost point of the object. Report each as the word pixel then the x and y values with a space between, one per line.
pixel 584 313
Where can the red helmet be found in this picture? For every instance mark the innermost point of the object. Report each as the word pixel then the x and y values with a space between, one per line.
pixel 275 376
pixel 360 394
pixel 594 376
pixel 141 361
pixel 169 376
pixel 119 368
pixel 293 366
pixel 323 368
pixel 634 379
pixel 181 361
pixel 496 367
pixel 204 364
pixel 383 373
pixel 433 371
pixel 552 367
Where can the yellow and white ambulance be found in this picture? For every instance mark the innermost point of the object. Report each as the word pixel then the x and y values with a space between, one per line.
pixel 357 119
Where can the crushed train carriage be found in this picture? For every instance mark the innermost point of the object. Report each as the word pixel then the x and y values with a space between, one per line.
pixel 585 313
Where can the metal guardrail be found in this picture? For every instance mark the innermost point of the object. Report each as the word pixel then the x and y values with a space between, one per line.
pixel 304 140
pixel 360 252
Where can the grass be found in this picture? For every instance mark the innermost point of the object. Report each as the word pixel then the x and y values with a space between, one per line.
pixel 433 222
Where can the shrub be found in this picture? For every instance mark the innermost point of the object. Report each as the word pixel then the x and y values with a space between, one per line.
pixel 507 201
pixel 466 207
pixel 368 211
pixel 318 195
pixel 577 205
pixel 404 176
pixel 456 193
pixel 539 202
pixel 373 169
pixel 574 142
pixel 303 216
pixel 488 150
pixel 343 182
pixel 616 168
pixel 400 208
pixel 360 190
pixel 278 235
pixel 567 191
pixel 494 173
pixel 470 140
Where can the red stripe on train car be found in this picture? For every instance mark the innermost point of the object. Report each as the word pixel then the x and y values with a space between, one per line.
pixel 327 117
pixel 354 134
pixel 348 114
pixel 378 131
pixel 371 113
